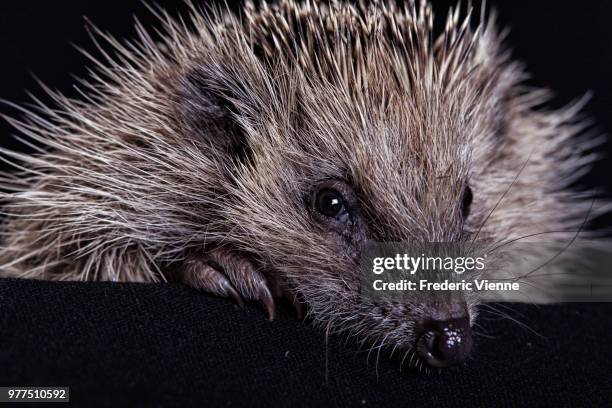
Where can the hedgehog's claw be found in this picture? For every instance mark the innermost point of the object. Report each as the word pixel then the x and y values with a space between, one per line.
pixel 233 294
pixel 228 274
pixel 244 276
pixel 266 298
pixel 202 276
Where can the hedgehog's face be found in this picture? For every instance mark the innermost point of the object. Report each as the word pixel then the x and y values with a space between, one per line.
pixel 315 187
pixel 312 205
pixel 435 327
pixel 331 158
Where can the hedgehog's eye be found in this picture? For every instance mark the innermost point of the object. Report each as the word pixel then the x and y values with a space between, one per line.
pixel 466 201
pixel 330 203
pixel 333 204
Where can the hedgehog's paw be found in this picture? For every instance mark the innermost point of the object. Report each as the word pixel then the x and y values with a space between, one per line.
pixel 225 273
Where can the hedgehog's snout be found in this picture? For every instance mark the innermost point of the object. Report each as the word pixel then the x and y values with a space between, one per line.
pixel 444 343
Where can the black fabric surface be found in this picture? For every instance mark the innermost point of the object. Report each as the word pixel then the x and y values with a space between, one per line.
pixel 167 345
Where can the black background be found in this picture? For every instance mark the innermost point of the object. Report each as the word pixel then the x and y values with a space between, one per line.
pixel 142 345
pixel 165 344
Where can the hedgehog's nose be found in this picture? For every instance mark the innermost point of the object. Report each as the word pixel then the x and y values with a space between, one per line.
pixel 445 343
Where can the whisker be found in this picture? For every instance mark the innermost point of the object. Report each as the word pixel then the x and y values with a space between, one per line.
pixel 404 358
pixel 514 320
pixel 500 199
pixel 500 244
pixel 584 222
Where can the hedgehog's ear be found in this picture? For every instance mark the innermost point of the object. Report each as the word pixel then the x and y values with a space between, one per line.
pixel 206 112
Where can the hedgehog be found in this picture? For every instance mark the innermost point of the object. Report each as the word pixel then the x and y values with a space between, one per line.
pixel 254 155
